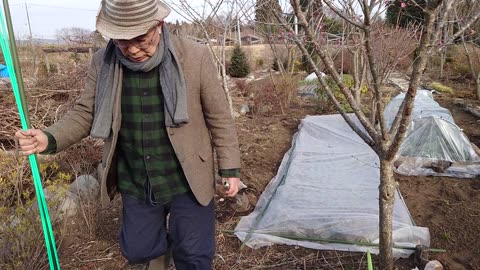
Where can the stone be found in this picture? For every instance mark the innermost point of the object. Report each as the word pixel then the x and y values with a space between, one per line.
pixel 61 202
pixel 252 199
pixel 433 265
pixel 86 187
pixel 68 199
pixel 241 185
pixel 244 109
pixel 241 203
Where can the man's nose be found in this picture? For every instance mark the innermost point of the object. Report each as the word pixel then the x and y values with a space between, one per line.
pixel 133 49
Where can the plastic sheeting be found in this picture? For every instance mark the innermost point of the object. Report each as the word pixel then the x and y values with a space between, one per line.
pixel 424 106
pixel 433 138
pixel 325 196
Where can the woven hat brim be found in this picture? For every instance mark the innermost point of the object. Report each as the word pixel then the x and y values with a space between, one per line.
pixel 114 31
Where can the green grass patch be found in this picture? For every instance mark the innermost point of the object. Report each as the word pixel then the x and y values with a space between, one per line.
pixel 441 88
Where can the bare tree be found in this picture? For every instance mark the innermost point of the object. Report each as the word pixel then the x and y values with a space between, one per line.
pixel 363 16
pixel 75 35
pixel 214 16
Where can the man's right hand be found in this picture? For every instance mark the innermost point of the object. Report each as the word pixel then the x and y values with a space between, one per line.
pixel 32 141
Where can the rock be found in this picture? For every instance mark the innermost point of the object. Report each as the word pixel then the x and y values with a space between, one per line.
pixel 68 199
pixel 440 166
pixel 85 187
pixel 459 101
pixel 241 203
pixel 252 199
pixel 241 186
pixel 433 265
pixel 69 206
pixel 244 109
pixel 61 202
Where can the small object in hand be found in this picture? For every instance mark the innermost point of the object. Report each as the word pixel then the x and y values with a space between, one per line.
pixel 226 185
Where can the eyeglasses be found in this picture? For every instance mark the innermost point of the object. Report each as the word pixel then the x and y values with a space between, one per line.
pixel 142 42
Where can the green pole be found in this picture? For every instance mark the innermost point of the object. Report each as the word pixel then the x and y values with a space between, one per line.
pixel 7 42
pixel 369 261
pixel 16 62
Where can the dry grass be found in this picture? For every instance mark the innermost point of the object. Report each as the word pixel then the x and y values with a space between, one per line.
pixel 48 96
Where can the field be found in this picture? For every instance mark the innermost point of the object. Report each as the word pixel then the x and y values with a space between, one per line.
pixel 449 207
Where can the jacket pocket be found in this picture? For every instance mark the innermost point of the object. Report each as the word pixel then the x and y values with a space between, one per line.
pixel 206 153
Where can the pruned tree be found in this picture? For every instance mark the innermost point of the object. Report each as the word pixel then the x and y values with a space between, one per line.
pixel 364 16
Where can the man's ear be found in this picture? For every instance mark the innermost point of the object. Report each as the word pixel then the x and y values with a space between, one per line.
pixel 159 27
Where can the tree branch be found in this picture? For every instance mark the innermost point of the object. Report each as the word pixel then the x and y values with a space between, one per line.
pixel 334 9
pixel 372 140
pixel 373 71
pixel 404 114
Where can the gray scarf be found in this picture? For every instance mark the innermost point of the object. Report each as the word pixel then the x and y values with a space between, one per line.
pixel 109 85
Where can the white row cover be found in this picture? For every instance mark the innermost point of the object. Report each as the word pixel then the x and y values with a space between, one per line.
pixel 325 196
pixel 432 137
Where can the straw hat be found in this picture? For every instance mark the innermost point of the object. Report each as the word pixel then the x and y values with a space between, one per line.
pixel 126 19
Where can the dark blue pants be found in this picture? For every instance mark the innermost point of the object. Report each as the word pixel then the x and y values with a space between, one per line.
pixel 143 235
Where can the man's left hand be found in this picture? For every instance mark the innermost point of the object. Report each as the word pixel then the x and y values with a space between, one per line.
pixel 233 184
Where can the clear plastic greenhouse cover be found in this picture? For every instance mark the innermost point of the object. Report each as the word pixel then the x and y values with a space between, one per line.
pixel 433 145
pixel 325 196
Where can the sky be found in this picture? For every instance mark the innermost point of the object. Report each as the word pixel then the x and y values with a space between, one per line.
pixel 48 16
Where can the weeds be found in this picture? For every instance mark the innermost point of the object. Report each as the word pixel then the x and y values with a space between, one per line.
pixel 441 88
pixel 445 236
pixel 243 88
pixel 21 243
pixel 349 84
pixel 275 96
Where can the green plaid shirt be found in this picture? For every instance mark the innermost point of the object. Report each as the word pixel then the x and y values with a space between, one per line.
pixel 144 149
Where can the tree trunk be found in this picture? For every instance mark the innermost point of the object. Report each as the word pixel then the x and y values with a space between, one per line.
pixel 442 63
pixel 478 86
pixel 472 67
pixel 387 196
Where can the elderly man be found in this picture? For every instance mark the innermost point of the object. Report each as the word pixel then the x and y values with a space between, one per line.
pixel 156 101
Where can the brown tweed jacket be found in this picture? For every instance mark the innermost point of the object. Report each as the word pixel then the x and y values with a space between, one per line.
pixel 210 124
